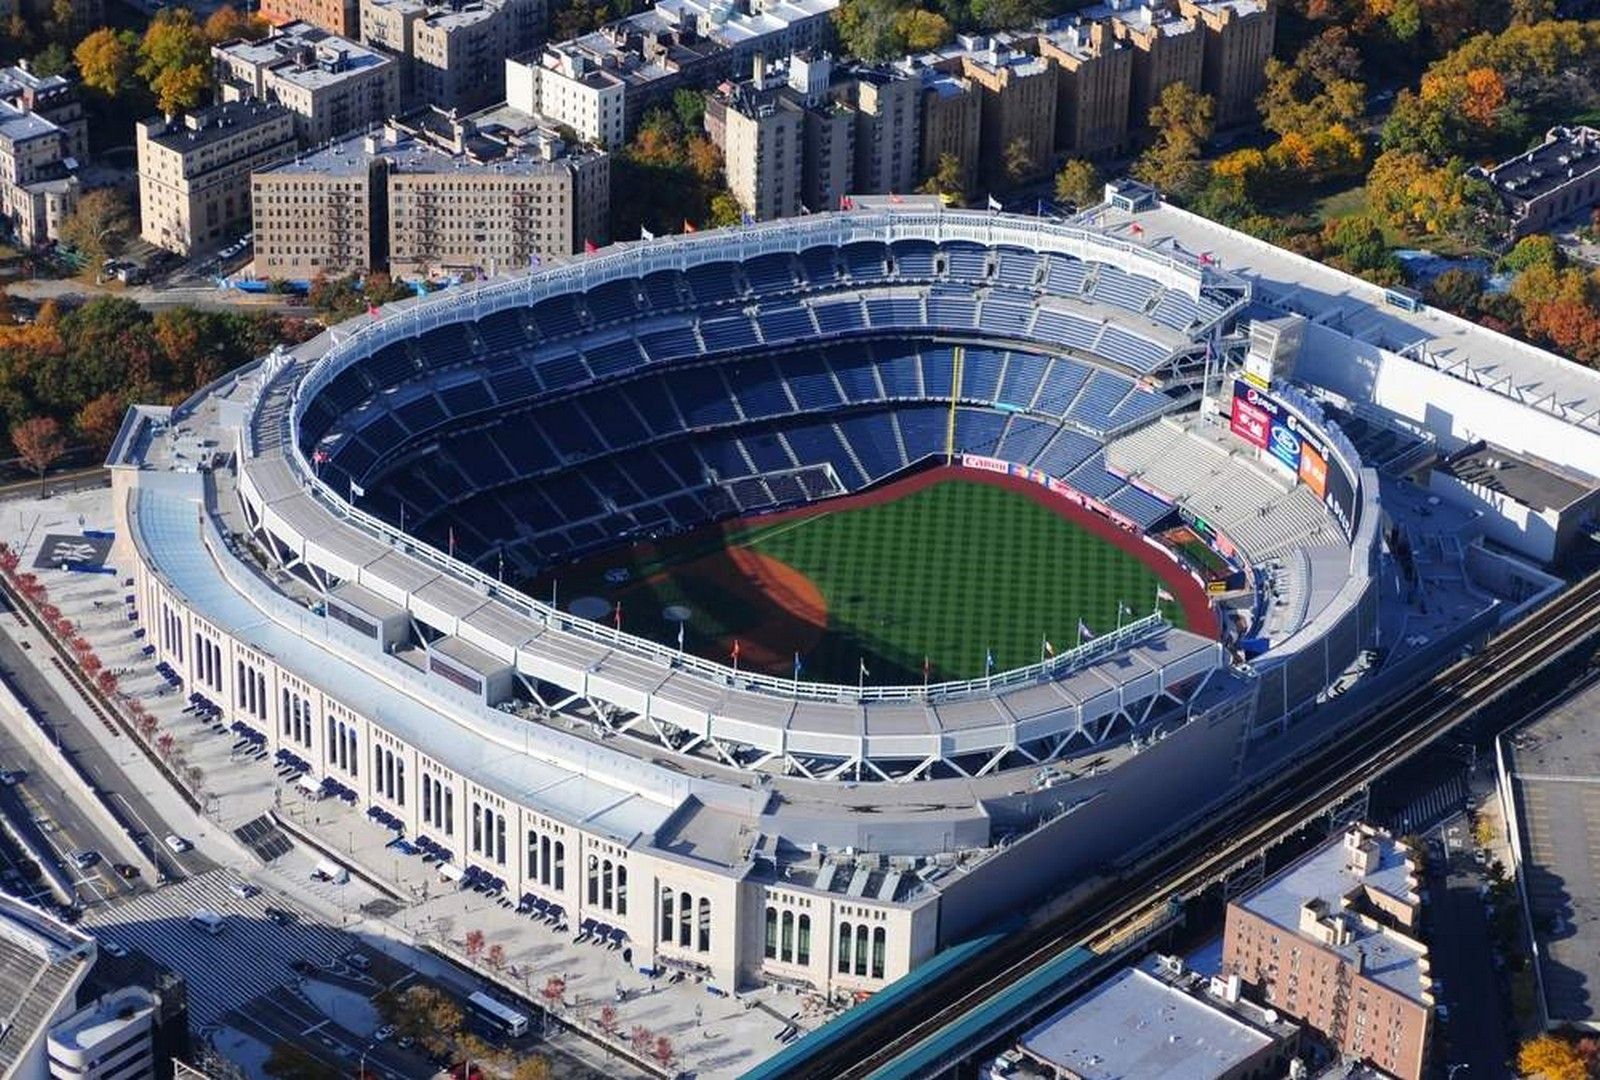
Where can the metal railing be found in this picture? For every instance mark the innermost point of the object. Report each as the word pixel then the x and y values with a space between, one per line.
pixel 580 274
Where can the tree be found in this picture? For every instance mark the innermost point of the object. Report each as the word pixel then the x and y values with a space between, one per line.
pixel 1079 183
pixel 52 60
pixel 947 180
pixel 608 1019
pixel 106 60
pixel 554 992
pixel 870 29
pixel 532 1067
pixel 497 956
pixel 921 30
pixel 641 1038
pixel 426 1015
pixel 165 744
pixel 39 443
pixel 474 942
pixel 725 209
pixel 1414 196
pixel 99 420
pixel 228 23
pixel 1183 120
pixel 1551 1058
pixel 175 60
pixel 1456 290
pixel 100 225
pixel 1018 160
pixel 289 1062
pixel 1540 249
pixel 662 1050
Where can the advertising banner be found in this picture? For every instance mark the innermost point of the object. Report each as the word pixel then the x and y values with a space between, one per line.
pixel 1313 470
pixel 1249 422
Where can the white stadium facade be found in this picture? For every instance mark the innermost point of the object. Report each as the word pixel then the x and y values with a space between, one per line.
pixel 318 541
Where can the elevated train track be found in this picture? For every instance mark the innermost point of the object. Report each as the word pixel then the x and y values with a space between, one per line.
pixel 1309 788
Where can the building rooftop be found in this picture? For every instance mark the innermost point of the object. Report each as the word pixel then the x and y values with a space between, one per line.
pixel 19 125
pixel 499 140
pixel 1565 154
pixel 42 961
pixel 445 15
pixel 1137 1026
pixel 1141 17
pixel 302 54
pixel 1552 767
pixel 1329 877
pixel 102 1018
pixel 1526 479
pixel 17 78
pixel 215 124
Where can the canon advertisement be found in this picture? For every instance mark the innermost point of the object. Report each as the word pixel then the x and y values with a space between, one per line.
pixel 1263 422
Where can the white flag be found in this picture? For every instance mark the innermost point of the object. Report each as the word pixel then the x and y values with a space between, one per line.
pixel 646 234
pixel 994 203
pixel 356 490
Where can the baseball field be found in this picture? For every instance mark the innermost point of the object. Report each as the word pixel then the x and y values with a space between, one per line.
pixel 943 569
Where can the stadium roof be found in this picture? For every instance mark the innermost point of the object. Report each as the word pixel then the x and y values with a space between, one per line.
pixel 42 961
pixel 1356 308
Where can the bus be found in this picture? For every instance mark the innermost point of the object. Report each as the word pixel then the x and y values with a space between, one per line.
pixel 501 1016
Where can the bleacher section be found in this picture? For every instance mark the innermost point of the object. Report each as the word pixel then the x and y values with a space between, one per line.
pixel 651 404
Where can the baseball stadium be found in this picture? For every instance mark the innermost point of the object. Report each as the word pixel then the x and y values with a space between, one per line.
pixel 857 575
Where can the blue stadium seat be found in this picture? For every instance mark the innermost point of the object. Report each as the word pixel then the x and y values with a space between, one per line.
pixel 819 265
pixel 922 430
pixel 1005 314
pixel 669 343
pixel 421 413
pixel 938 370
pixel 651 402
pixel 1018 268
pixel 556 316
pixel 1023 374
pixel 613 301
pixel 1122 289
pixel 502 331
pixel 966 262
pixel 1061 384
pixel 872 438
pixel 978 431
pixel 759 389
pixel 857 373
pixel 571 435
pixel 913 259
pixel 839 314
pixel 444 346
pixel 810 381
pixel 660 290
pixel 616 423
pixel 952 308
pixel 899 369
pixel 1102 393
pixel 729 332
pixel 980 373
pixel 893 311
pixel 1024 438
pixel 781 323
pixel 1064 276
pixel 613 357
pixel 562 369
pixel 865 261
pixel 464 398
pixel 1139 505
pixel 766 452
pixel 701 395
pixel 712 283
pixel 772 273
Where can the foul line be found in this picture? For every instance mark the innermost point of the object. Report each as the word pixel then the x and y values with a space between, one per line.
pixel 778 530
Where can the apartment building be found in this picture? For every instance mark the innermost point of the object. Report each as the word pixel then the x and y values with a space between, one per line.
pixel 111 1038
pixel 1329 941
pixel 52 97
pixel 887 106
pixel 194 171
pixel 1167 48
pixel 601 83
pixel 342 17
pixel 452 55
pixel 1238 42
pixel 952 117
pixel 1093 86
pixel 432 194
pixel 1017 108
pixel 332 85
pixel 38 184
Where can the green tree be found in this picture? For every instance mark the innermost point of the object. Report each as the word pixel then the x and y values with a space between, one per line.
pixel 1183 120
pixel 725 209
pixel 100 225
pixel 106 59
pixel 1456 290
pixel 689 106
pixel 921 30
pixel 946 180
pixel 53 59
pixel 1540 249
pixel 175 60
pixel 1079 183
pixel 870 28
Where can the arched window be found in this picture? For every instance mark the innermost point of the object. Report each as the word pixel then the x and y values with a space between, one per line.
pixel 772 933
pixel 788 937
pixel 666 915
pixel 622 889
pixel 605 885
pixel 880 941
pixel 544 860
pixel 449 812
pixel 861 948
pixel 705 925
pixel 334 741
pixel 561 867
pixel 844 948
pixel 594 880
pixel 802 952
pixel 685 918
pixel 477 826
pixel 427 799
pixel 533 855
pixel 499 833
pixel 400 796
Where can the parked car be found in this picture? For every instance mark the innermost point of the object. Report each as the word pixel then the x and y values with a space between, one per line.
pixel 126 871
pixel 111 948
pixel 13 777
pixel 278 916
pixel 358 960
pixel 383 1034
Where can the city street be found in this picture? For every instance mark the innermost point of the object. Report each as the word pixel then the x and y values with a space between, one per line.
pixel 1463 957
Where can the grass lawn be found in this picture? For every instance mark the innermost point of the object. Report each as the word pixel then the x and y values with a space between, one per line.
pixel 947 572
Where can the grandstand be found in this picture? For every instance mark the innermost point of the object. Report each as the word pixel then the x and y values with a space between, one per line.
pixel 398 479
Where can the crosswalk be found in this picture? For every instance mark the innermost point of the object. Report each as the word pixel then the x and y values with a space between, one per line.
pixel 250 957
pixel 1431 807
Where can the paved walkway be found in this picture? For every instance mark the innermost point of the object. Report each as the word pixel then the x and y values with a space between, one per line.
pixel 713 1034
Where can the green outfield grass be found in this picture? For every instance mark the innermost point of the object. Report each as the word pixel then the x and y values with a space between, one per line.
pixel 947 572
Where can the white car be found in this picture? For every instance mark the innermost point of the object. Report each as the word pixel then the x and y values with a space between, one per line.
pixel 383 1034
pixel 177 844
